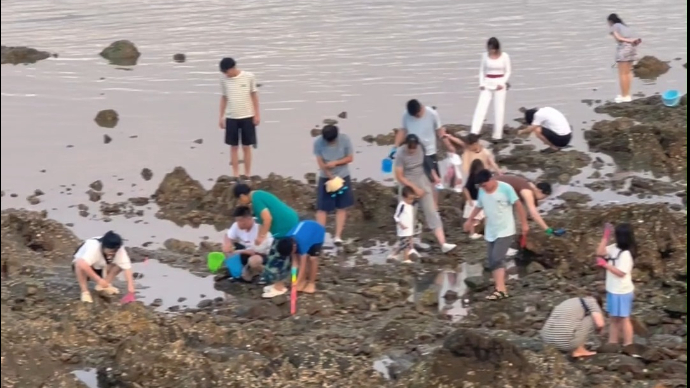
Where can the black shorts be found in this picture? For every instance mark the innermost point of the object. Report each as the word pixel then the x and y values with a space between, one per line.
pixel 431 163
pixel 315 250
pixel 557 140
pixel 240 130
pixel 328 202
pixel 98 272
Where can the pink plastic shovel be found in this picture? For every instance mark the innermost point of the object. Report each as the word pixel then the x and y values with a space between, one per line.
pixel 129 298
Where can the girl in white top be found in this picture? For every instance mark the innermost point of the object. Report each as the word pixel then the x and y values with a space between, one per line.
pixel 617 259
pixel 494 74
pixel 404 221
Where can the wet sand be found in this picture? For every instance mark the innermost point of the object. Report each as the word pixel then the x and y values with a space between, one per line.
pixel 311 67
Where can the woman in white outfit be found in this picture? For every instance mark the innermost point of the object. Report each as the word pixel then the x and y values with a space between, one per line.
pixel 494 74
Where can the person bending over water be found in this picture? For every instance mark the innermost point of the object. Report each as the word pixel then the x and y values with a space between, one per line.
pixel 101 259
pixel 571 323
pixel 494 73
pixel 530 194
pixel 302 246
pixel 276 218
pixel 410 171
pixel 617 260
pixel 550 126
pixel 626 51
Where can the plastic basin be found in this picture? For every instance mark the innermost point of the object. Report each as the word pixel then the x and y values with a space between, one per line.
pixel 671 98
pixel 215 261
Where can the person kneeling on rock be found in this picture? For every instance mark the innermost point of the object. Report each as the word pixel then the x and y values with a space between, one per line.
pixel 571 323
pixel 101 259
pixel 302 247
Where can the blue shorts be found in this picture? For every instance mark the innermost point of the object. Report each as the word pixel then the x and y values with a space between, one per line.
pixel 619 305
pixel 329 202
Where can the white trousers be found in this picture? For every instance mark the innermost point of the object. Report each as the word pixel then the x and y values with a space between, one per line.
pixel 485 97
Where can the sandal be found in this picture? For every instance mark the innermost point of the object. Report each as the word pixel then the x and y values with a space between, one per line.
pixel 497 295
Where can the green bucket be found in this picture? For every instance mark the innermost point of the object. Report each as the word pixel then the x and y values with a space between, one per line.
pixel 215 261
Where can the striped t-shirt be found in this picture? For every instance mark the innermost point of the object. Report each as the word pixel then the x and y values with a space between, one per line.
pixel 238 91
pixel 569 323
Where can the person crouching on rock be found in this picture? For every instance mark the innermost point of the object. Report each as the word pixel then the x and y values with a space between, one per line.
pixel 302 247
pixel 247 259
pixel 101 259
pixel 276 218
pixel 550 126
pixel 571 323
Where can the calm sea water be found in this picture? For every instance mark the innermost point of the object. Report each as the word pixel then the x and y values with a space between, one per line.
pixel 314 60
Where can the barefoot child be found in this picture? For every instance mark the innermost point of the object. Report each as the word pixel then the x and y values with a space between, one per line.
pixel 474 150
pixel 617 259
pixel 404 219
pixel 303 245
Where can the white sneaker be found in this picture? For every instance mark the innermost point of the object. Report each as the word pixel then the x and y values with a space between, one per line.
pixel 338 241
pixel 476 236
pixel 439 186
pixel 86 297
pixel 445 248
pixel 413 252
pixel 511 252
pixel 407 261
pixel 272 293
pixel 457 189
pixel 110 290
pixel 620 99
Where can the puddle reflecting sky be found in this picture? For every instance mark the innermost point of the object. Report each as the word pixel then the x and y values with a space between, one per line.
pixel 87 376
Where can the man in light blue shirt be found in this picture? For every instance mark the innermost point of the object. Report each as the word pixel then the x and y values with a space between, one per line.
pixel 498 200
pixel 425 123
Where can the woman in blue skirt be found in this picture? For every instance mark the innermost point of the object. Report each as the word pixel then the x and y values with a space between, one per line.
pixel 617 260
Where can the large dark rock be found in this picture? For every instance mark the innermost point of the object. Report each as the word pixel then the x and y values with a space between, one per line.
pixel 121 53
pixel 649 67
pixel 25 55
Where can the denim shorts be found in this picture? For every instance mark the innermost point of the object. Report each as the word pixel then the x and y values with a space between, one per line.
pixel 619 305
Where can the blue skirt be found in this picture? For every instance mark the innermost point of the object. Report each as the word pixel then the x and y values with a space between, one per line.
pixel 619 305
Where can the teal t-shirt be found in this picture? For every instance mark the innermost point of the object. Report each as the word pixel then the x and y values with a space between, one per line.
pixel 498 211
pixel 284 217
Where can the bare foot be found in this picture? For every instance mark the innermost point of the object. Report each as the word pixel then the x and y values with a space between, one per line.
pixel 301 286
pixel 310 288
pixel 583 353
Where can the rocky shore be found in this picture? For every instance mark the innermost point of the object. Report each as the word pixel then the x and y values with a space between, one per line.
pixel 368 326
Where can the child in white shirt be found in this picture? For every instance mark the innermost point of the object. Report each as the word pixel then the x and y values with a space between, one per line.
pixel 404 219
pixel 617 259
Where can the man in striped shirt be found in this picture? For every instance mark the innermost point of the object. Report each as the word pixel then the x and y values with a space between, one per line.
pixel 239 113
pixel 571 323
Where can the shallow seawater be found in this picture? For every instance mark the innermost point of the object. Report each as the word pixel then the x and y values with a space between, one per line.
pixel 173 286
pixel 381 366
pixel 87 376
pixel 455 281
pixel 311 66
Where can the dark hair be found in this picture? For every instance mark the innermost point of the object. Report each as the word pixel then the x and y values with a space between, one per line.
pixel 407 191
pixel 529 115
pixel 285 246
pixel 544 187
pixel 614 19
pixel 111 240
pixel 227 64
pixel 241 189
pixel 493 44
pixel 414 107
pixel 329 133
pixel 242 211
pixel 625 238
pixel 482 177
pixel 472 138
pixel 411 139
pixel 476 166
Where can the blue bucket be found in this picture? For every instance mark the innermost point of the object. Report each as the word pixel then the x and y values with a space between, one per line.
pixel 671 98
pixel 387 165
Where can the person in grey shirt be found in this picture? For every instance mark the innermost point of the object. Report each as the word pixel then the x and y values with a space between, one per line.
pixel 425 123
pixel 333 153
pixel 410 171
pixel 626 51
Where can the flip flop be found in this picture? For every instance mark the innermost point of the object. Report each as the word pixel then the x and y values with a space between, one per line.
pixel 497 295
pixel 549 151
